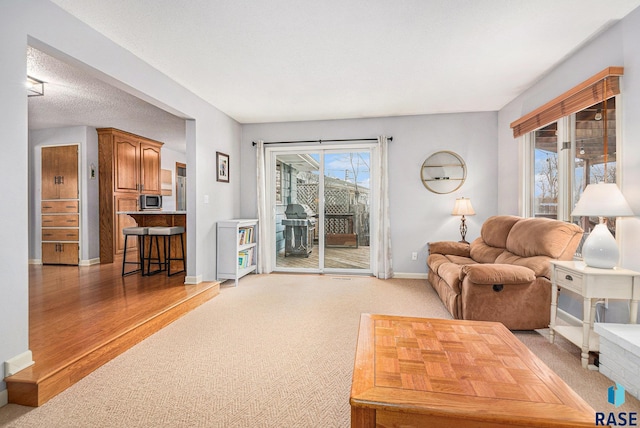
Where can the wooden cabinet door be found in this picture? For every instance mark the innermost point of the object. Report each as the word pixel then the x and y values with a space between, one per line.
pixel 124 202
pixel 68 254
pixel 150 178
pixel 49 253
pixel 60 254
pixel 60 172
pixel 126 153
pixel 49 173
pixel 67 172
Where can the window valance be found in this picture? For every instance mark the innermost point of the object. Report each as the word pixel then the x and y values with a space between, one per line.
pixel 598 88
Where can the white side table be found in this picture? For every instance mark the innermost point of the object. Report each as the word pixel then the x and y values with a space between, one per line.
pixel 592 284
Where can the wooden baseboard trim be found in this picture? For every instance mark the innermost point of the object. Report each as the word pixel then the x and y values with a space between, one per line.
pixel 26 390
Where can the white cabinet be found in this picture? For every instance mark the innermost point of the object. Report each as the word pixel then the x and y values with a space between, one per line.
pixel 592 284
pixel 237 248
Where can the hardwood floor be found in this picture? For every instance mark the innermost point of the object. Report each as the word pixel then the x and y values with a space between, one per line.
pixel 81 317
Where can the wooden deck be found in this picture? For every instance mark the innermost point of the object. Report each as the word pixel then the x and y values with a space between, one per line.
pixel 335 258
pixel 82 317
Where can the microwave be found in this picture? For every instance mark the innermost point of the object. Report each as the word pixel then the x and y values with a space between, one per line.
pixel 150 202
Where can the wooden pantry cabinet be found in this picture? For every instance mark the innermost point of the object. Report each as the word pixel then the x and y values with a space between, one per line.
pixel 60 214
pixel 129 166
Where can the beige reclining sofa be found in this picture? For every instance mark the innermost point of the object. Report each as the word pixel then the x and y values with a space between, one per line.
pixel 504 275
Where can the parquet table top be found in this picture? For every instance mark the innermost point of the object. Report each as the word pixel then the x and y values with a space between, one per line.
pixel 475 372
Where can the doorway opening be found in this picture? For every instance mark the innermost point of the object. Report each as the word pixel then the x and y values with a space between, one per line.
pixel 181 186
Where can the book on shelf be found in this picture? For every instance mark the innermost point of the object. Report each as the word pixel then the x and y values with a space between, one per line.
pixel 246 258
pixel 245 235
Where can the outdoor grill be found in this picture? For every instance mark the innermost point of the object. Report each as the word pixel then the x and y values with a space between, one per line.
pixel 299 227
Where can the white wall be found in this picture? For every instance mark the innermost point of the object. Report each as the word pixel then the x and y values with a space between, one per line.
pixel 53 31
pixel 618 46
pixel 417 215
pixel 14 255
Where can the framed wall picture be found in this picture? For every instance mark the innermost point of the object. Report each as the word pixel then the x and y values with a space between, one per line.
pixel 222 162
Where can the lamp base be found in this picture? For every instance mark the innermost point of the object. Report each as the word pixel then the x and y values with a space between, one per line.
pixel 600 249
pixel 463 230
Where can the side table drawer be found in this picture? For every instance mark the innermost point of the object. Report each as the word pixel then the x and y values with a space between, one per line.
pixel 568 279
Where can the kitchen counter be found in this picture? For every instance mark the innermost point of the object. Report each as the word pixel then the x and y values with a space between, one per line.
pixel 152 212
pixel 152 218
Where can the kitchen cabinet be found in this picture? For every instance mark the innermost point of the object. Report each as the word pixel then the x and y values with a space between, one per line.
pixel 60 253
pixel 129 166
pixel 126 202
pixel 60 172
pixel 60 231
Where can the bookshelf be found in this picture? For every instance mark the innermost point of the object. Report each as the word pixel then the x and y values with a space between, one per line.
pixel 237 248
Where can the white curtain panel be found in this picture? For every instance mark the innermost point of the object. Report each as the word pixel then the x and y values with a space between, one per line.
pixel 383 232
pixel 263 216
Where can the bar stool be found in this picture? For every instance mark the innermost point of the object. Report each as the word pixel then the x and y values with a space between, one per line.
pixel 140 232
pixel 166 233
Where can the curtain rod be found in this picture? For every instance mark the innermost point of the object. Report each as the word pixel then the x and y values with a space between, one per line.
pixel 321 141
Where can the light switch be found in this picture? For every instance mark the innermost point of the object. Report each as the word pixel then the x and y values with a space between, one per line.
pixel 206 199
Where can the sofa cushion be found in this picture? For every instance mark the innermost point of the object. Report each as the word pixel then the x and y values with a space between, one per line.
pixel 449 247
pixel 450 273
pixel 538 264
pixel 531 237
pixel 495 230
pixel 434 261
pixel 483 253
pixel 495 273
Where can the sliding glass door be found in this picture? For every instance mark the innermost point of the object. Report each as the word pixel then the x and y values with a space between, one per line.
pixel 346 210
pixel 321 204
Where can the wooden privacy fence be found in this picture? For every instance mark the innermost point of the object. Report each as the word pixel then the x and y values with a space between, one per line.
pixel 346 212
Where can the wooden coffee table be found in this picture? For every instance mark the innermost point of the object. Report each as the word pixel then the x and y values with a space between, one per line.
pixel 435 372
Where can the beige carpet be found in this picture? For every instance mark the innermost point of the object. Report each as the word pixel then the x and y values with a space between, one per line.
pixel 277 351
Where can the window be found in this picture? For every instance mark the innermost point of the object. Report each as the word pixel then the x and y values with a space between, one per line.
pixel 544 193
pixel 562 167
pixel 595 153
pixel 570 142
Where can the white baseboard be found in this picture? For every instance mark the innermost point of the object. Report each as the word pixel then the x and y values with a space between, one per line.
pixel 89 262
pixel 17 363
pixel 35 261
pixel 410 275
pixel 4 397
pixel 192 280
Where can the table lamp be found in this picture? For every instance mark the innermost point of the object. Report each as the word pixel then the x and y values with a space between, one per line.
pixel 600 249
pixel 463 207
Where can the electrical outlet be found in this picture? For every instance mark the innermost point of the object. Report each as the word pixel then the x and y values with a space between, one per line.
pixel 414 256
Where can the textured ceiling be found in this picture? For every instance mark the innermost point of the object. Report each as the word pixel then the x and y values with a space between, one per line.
pixel 281 60
pixel 73 98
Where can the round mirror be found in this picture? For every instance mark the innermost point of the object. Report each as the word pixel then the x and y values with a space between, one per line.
pixel 443 172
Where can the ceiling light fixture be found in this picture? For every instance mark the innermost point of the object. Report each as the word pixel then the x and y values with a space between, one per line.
pixel 582 150
pixel 35 87
pixel 598 115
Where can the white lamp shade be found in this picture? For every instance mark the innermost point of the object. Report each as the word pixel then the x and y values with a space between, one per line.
pixel 463 207
pixel 602 200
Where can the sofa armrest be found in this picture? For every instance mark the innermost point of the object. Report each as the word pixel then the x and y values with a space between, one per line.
pixel 491 273
pixel 450 248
